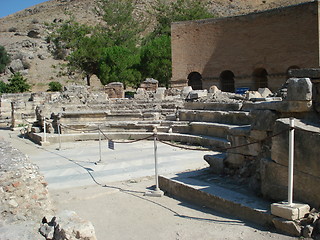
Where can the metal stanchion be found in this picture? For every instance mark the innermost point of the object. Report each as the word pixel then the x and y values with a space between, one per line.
pixel 291 162
pixel 44 130
pixel 99 130
pixel 59 133
pixel 156 192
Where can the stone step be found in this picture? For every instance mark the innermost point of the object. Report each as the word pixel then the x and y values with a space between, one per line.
pixel 215 194
pixel 228 117
pixel 215 106
pixel 213 143
pixel 211 129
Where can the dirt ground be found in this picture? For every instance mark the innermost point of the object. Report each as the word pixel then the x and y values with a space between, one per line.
pixel 121 211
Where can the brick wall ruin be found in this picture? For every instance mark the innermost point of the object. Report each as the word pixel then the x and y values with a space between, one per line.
pixel 254 50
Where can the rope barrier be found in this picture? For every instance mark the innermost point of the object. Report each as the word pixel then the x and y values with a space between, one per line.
pixel 183 147
pixel 132 141
pixel 79 130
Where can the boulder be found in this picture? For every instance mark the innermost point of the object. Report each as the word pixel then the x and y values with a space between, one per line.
pixel 16 66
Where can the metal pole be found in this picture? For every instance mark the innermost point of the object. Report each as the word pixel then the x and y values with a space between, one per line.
pixel 44 130
pixel 59 136
pixel 99 143
pixel 291 161
pixel 155 131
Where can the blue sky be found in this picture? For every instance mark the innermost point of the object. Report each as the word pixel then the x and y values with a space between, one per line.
pixel 11 6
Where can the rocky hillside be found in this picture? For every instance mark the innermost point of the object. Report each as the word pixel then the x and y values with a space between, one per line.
pixel 23 34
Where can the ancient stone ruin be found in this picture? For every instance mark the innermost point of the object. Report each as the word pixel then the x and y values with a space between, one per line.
pixel 249 131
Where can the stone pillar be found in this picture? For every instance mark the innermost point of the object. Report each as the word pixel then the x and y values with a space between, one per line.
pixel 314 75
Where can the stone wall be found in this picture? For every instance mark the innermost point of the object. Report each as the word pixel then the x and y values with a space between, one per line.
pixel 274 41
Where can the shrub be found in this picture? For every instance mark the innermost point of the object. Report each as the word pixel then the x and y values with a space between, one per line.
pixel 17 84
pixel 4 59
pixel 3 87
pixel 55 86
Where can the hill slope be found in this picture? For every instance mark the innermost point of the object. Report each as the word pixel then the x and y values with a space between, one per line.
pixel 23 33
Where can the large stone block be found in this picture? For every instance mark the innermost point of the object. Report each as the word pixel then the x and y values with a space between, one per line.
pixel 299 89
pixel 263 120
pixel 280 106
pixel 274 184
pixel 306 150
pixel 290 212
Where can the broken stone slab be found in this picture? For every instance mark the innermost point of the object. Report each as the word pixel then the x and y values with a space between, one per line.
pixel 68 225
pixel 216 162
pixel 305 73
pixel 195 94
pixel 264 92
pixel 253 95
pixel 292 211
pixel 299 89
pixel 288 227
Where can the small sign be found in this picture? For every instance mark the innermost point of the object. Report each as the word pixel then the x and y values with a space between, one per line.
pixel 242 90
pixel 111 144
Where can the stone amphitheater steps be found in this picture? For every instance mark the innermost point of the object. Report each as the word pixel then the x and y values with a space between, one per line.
pixel 210 128
pixel 215 194
pixel 227 117
pixel 213 143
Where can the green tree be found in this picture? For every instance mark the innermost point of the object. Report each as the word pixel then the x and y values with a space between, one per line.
pixel 4 59
pixel 156 60
pixel 119 64
pixel 156 50
pixel 123 23
pixel 55 87
pixel 87 56
pixel 17 84
pixel 180 10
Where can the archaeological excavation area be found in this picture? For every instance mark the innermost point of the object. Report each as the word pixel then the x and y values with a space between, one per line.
pixel 244 136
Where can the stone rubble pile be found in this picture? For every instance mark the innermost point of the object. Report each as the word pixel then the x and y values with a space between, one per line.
pixel 24 201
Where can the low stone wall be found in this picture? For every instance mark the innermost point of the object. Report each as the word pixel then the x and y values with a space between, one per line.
pixel 24 201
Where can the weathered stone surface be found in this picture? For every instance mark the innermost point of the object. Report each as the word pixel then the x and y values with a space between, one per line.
pixel 214 89
pixel 115 90
pixel 290 212
pixel 307 231
pixel 274 183
pixel 306 151
pixel 263 120
pixel 305 73
pixel 287 227
pixel 150 84
pixel 16 65
pixel 299 89
pixel 71 226
pixel 216 162
pixel 265 92
pixel 280 106
pixel 195 94
pixel 253 94
pixel 234 160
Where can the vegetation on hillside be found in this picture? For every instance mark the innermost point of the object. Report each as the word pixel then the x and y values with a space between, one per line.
pixel 118 50
pixel 4 59
pixel 17 84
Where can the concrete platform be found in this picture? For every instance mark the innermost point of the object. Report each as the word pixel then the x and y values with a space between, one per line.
pixel 200 187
